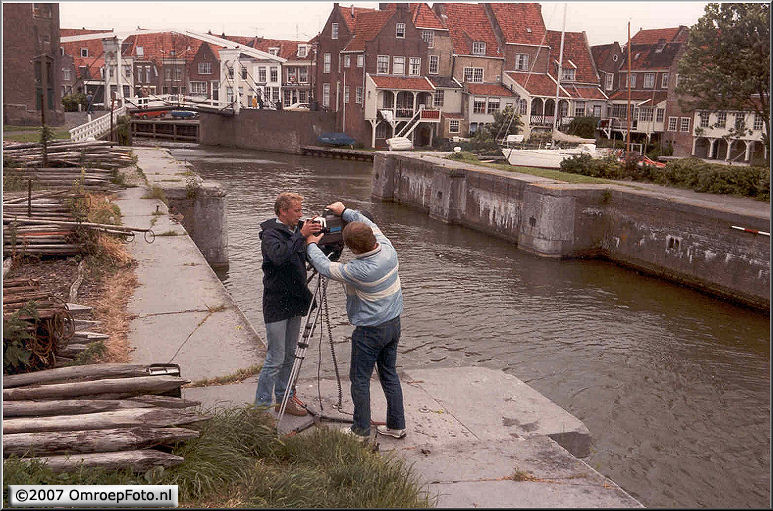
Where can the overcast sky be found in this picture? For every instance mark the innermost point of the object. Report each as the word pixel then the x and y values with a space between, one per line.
pixel 604 22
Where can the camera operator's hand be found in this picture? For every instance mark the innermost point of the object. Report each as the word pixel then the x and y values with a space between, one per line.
pixel 337 208
pixel 314 238
pixel 310 227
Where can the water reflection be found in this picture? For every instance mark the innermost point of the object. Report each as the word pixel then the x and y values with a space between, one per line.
pixel 673 384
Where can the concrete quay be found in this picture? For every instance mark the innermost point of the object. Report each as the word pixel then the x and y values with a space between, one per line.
pixel 477 437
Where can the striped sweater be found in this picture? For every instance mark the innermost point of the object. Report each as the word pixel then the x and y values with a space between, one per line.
pixel 371 282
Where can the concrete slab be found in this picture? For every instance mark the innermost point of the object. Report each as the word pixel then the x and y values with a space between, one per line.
pixel 499 406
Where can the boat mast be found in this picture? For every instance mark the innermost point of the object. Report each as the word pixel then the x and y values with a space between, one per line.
pixel 628 109
pixel 558 78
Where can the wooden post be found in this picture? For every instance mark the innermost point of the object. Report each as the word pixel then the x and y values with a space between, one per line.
pixel 43 97
pixel 112 108
pixel 29 197
pixel 628 109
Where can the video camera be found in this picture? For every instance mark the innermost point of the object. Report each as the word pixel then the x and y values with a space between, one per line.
pixel 332 242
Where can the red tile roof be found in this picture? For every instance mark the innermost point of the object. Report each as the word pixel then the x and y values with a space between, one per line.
pixel 160 45
pixel 489 89
pixel 652 36
pixel 401 83
pixel 537 84
pixel 603 56
pixel 367 28
pixel 515 18
pixel 65 32
pixel 287 49
pixel 468 23
pixel 346 14
pixel 94 61
pixel 424 17
pixel 588 92
pixel 650 56
pixel 452 116
pixel 639 95
pixel 577 51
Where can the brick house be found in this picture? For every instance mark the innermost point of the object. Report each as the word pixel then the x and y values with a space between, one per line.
pixel 31 49
pixel 88 61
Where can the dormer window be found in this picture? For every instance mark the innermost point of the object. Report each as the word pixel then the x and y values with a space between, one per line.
pixel 400 31
pixel 567 74
pixel 302 51
pixel 84 52
pixel 614 58
pixel 478 48
pixel 274 51
pixel 334 31
pixel 172 53
pixel 140 51
pixel 528 30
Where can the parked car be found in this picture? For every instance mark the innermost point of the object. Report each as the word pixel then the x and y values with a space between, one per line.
pixel 149 114
pixel 299 107
pixel 183 114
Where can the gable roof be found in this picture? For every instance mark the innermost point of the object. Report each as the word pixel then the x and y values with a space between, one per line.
pixel 640 96
pixel 576 54
pixel 468 23
pixel 652 36
pixel 537 84
pixel 424 17
pixel 489 89
pixel 602 55
pixel 157 46
pixel 650 56
pixel 520 23
pixel 368 26
pixel 402 83
pixel 351 13
pixel 96 52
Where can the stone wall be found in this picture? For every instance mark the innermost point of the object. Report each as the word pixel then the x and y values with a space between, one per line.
pixel 675 239
pixel 265 130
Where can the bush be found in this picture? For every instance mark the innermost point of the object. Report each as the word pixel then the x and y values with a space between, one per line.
pixel 71 102
pixel 606 168
pixel 584 127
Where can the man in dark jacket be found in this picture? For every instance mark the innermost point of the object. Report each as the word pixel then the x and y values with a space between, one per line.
pixel 286 298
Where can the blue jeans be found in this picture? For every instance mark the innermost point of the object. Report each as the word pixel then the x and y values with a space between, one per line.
pixel 282 337
pixel 373 345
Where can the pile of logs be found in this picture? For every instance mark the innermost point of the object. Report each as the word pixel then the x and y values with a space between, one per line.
pixel 43 238
pixel 51 327
pixel 111 416
pixel 94 156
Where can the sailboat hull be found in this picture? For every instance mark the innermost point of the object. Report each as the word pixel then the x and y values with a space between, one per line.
pixel 399 144
pixel 546 158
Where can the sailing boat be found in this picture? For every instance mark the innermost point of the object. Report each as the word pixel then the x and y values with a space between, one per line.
pixel 552 158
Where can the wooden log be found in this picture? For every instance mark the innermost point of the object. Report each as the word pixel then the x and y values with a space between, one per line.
pixel 130 417
pixel 163 401
pixel 138 461
pixel 87 441
pixel 124 387
pixel 47 408
pixel 76 373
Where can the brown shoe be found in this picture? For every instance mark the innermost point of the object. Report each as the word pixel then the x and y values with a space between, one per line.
pixel 292 408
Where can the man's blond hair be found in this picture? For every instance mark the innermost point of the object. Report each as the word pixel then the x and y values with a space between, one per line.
pixel 285 200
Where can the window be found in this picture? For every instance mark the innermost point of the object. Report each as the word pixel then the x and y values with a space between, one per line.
pixel 400 30
pixel 428 36
pixel 262 74
pixel 415 66
pixel 660 114
pixel 140 51
pixel 664 81
pixel 398 65
pixel 358 95
pixel 61 51
pixel 301 96
pixel 722 120
pixel 758 122
pixel 434 61
pixel 381 130
pixel 608 81
pixel 273 51
pixel 347 61
pixel 633 80
pixel 474 127
pixel 672 123
pixel 334 31
pixel 275 94
pixel 84 52
pixel 360 60
pixel 473 74
pixel 453 125
pixel 568 74
pixel 178 73
pixel 84 72
pixel 205 68
pixel 198 87
pixel 326 63
pixel 230 72
pixel 522 106
pixel 645 113
pixel 229 94
pixel 478 48
pixel 438 98
pixel 326 94
pixel 127 71
pixel 479 105
pixel 596 111
pixel 579 109
pixel 649 80
pixel 303 50
pixel 739 121
pixel 66 74
pixel 684 124
pixel 346 94
pixel 704 119
pixel 493 105
pixel 274 74
pixel 521 62
pixel 244 73
pixel 382 64
pixel 303 75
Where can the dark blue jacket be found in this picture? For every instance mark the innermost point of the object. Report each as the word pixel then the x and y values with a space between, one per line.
pixel 285 293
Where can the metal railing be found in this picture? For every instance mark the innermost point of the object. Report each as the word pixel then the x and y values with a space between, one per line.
pixel 96 128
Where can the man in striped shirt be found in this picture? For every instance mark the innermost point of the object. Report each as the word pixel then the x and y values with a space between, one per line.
pixel 374 302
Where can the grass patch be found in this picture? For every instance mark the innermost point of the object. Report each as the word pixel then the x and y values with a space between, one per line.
pixel 155 192
pixel 521 475
pixel 238 461
pixel 169 233
pixel 95 352
pixel 566 177
pixel 27 134
pixel 235 377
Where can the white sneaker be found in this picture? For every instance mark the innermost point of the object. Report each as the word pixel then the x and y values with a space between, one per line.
pixel 348 431
pixel 396 433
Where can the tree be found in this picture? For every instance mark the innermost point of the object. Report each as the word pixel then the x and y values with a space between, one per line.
pixel 726 63
pixel 506 122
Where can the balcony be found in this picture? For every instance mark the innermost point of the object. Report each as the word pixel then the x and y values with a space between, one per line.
pixel 428 114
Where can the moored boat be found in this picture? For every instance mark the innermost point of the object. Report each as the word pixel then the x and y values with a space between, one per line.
pixel 399 144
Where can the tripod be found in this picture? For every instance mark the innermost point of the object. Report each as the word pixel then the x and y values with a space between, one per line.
pixel 300 351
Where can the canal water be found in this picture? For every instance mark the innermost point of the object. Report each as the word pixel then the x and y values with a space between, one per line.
pixel 673 385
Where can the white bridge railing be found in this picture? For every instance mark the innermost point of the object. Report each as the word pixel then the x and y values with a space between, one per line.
pixel 95 128
pixel 166 100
